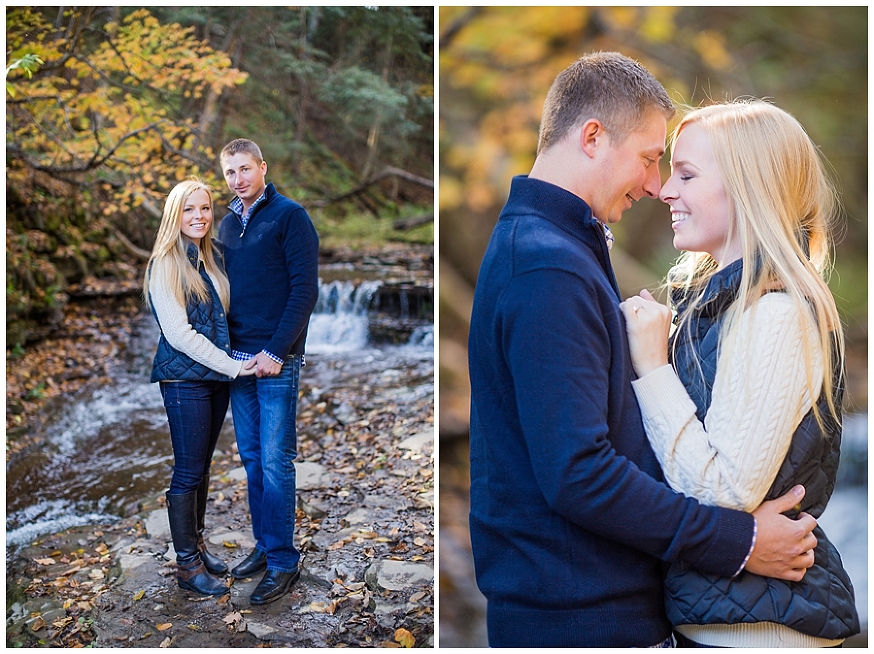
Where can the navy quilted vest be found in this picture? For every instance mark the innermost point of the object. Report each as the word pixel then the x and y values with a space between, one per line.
pixel 820 605
pixel 207 318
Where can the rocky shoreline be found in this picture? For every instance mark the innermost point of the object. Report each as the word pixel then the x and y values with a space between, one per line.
pixel 367 572
pixel 365 519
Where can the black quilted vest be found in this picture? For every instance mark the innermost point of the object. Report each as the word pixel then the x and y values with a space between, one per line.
pixel 820 605
pixel 207 318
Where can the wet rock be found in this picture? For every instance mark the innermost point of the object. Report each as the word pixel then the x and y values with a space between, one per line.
pixel 260 630
pixel 346 414
pixel 157 524
pixel 237 474
pixel 418 442
pixel 357 517
pixel 311 475
pixel 398 575
pixel 314 510
pixel 243 539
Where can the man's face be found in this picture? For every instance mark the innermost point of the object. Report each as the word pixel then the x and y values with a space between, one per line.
pixel 245 176
pixel 629 170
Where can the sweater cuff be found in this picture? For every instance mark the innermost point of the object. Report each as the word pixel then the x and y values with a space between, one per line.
pixel 662 388
pixel 752 547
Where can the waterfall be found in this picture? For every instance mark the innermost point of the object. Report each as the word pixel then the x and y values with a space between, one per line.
pixel 339 322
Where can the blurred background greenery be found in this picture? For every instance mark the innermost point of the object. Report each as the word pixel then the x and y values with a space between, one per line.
pixel 496 65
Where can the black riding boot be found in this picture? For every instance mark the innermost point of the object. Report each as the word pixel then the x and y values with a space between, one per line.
pixel 191 572
pixel 213 563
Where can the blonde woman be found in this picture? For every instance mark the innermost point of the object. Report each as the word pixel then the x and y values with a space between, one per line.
pixel 750 403
pixel 187 289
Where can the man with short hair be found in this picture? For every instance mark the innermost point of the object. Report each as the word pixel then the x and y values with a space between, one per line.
pixel 570 518
pixel 271 254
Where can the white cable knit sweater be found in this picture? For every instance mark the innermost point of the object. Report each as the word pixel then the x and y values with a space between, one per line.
pixel 759 398
pixel 180 334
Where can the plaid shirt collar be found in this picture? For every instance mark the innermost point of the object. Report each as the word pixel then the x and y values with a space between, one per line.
pixel 236 206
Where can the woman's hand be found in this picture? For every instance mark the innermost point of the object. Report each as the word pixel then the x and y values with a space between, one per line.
pixel 245 371
pixel 648 324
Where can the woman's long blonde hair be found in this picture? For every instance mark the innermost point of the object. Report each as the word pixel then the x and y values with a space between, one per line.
pixel 171 252
pixel 782 208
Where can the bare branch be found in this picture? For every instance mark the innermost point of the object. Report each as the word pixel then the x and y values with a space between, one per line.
pixel 389 171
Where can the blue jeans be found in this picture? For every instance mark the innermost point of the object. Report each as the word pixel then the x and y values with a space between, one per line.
pixel 195 411
pixel 265 410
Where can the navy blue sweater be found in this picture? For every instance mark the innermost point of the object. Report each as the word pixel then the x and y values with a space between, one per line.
pixel 569 513
pixel 273 268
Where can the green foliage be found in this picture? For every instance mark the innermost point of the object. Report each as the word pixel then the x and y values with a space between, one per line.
pixel 28 64
pixel 361 230
pixel 352 88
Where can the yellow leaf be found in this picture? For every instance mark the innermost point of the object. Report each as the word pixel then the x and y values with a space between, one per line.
pixel 405 638
pixel 140 594
pixel 164 626
pixel 229 545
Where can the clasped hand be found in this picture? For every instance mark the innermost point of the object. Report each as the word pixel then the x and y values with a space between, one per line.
pixel 648 324
pixel 261 365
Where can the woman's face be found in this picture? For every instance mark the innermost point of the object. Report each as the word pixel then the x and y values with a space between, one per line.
pixel 196 216
pixel 695 191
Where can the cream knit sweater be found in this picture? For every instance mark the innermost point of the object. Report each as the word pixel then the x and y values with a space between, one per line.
pixel 180 334
pixel 759 398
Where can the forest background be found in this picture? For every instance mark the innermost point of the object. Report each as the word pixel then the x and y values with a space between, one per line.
pixel 495 67
pixel 107 108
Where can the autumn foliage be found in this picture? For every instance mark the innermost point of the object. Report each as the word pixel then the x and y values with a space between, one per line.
pixel 113 113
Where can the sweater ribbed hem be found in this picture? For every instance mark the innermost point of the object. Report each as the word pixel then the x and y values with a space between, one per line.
pixel 757 634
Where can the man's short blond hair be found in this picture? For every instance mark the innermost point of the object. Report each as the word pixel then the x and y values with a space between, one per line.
pixel 238 146
pixel 607 86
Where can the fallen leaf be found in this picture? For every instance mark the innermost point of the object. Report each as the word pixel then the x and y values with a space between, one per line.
pixel 45 561
pixel 405 638
pixel 166 642
pixel 96 573
pixel 418 596
pixel 232 617
pixel 164 626
pixel 193 627
pixel 140 594
pixel 37 624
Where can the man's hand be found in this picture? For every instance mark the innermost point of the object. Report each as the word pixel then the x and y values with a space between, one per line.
pixel 264 365
pixel 784 547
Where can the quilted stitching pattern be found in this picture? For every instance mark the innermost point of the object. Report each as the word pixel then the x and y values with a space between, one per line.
pixel 823 603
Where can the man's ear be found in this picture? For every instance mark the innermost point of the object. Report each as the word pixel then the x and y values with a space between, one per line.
pixel 592 135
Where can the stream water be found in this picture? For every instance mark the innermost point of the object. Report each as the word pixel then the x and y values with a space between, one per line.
pixel 108 448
